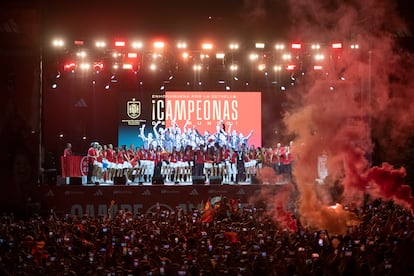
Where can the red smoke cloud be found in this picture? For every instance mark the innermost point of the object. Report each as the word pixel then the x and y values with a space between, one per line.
pixel 389 183
pixel 362 96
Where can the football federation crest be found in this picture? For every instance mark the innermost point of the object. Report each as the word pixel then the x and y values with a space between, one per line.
pixel 133 109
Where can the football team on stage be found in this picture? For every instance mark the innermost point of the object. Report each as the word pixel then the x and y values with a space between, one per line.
pixel 178 155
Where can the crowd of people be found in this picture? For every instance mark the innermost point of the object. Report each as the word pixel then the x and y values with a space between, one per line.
pixel 176 155
pixel 233 240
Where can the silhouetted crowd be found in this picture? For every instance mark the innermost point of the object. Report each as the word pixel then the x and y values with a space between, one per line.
pixel 241 241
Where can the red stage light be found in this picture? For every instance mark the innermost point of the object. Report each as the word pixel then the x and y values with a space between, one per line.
pixel 120 43
pixel 69 66
pixel 98 66
pixel 291 67
pixel 296 46
pixel 132 55
pixel 337 45
pixel 79 42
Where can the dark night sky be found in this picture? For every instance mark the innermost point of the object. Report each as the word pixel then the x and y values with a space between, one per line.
pixel 184 18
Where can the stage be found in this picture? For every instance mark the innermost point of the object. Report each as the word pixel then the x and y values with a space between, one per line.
pixel 93 200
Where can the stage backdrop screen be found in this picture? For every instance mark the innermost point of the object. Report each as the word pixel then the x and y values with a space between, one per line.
pixel 235 113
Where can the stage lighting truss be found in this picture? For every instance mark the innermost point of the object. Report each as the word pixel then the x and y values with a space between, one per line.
pixel 137 56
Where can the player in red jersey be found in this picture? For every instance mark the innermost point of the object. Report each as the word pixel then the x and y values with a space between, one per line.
pixel 110 157
pixel 224 166
pixel 119 162
pixel 172 171
pixel 189 163
pixel 98 165
pixel 199 159
pixel 233 166
pixel 91 159
pixel 67 152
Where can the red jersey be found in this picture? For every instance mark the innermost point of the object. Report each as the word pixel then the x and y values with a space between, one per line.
pixel 233 157
pixel 99 157
pixel 173 156
pixel 188 155
pixel 120 157
pixel 67 152
pixel 142 154
pixel 200 157
pixel 277 153
pixel 110 155
pixel 91 155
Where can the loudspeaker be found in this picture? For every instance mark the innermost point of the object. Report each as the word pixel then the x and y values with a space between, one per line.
pixel 119 180
pixel 214 180
pixel 256 180
pixel 76 181
pixel 158 180
pixel 198 179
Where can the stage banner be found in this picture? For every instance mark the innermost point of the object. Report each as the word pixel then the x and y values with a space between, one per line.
pixel 94 200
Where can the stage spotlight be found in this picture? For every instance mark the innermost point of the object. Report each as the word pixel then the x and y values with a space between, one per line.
pixel 153 67
pixel 316 46
pixel 337 45
pixel 137 45
pixel 234 46
pixel 277 68
pixel 119 43
pixel 58 43
pixel 100 44
pixel 207 46
pixel 132 55
pixel 260 45
pixel 279 46
pixel 253 56
pixel 54 85
pixel 70 66
pixel 290 67
pixel 181 45
pixel 107 86
pixel 159 45
pixel 286 57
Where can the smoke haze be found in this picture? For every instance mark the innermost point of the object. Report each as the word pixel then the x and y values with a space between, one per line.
pixel 362 96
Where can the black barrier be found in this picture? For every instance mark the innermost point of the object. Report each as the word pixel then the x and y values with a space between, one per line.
pixel 215 180
pixel 199 179
pixel 121 180
pixel 157 180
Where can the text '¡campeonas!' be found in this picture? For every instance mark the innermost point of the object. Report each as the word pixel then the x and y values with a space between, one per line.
pixel 203 109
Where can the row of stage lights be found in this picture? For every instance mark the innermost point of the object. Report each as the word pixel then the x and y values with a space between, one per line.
pixel 130 56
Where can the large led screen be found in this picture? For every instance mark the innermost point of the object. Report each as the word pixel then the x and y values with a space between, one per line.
pixel 230 118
